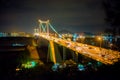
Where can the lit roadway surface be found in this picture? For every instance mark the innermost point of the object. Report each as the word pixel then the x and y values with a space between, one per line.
pixel 103 55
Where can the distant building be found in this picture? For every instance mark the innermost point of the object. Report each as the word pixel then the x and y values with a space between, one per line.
pixel 2 34
pixel 15 34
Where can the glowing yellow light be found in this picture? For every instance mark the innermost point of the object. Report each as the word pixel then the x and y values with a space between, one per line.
pixel 17 69
pixel 99 38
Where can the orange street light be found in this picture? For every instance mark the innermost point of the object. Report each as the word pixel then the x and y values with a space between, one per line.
pixel 100 39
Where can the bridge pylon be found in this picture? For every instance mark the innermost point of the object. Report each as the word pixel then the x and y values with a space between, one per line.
pixel 44 26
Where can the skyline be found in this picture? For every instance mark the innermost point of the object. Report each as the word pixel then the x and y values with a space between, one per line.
pixel 74 16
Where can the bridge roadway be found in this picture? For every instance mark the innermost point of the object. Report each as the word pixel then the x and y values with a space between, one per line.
pixel 103 55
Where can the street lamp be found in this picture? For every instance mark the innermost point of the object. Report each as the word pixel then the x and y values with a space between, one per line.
pixel 100 39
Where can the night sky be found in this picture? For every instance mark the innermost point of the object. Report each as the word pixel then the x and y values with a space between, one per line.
pixel 71 15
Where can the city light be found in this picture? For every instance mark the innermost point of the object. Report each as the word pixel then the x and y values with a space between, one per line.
pixel 29 64
pixel 55 67
pixel 81 67
pixel 100 39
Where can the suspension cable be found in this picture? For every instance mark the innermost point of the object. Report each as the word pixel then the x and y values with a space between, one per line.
pixel 54 30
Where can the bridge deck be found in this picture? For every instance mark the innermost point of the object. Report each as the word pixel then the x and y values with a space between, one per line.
pixel 103 55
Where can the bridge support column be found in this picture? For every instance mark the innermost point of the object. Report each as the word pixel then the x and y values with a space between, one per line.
pixel 57 53
pixel 51 52
pixel 75 56
pixel 33 52
pixel 64 53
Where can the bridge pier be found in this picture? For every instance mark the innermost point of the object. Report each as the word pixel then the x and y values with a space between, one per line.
pixel 64 53
pixel 53 53
pixel 33 52
pixel 74 56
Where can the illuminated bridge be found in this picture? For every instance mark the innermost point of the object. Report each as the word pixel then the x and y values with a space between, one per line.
pixel 102 55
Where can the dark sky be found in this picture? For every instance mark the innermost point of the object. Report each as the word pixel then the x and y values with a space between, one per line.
pixel 72 15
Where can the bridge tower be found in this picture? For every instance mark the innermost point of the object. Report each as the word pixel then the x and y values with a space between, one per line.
pixel 44 26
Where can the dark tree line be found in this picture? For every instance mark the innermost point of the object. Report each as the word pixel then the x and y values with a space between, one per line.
pixel 112 10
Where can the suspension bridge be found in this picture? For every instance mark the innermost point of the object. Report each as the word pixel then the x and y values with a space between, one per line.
pixel 102 55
